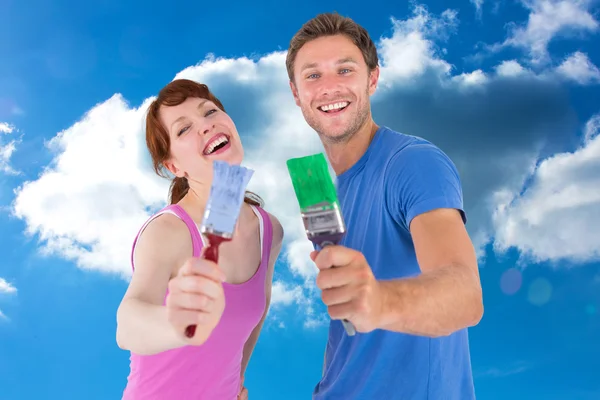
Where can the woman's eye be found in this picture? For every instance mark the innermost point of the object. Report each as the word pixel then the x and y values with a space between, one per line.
pixel 182 130
pixel 211 111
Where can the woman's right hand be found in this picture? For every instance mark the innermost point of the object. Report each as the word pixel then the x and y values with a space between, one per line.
pixel 196 297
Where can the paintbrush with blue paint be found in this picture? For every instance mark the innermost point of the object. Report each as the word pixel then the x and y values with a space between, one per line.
pixel 319 205
pixel 222 210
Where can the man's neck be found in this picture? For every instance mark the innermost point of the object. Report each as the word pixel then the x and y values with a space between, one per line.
pixel 343 156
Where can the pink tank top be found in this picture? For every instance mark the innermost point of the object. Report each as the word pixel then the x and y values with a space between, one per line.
pixel 211 371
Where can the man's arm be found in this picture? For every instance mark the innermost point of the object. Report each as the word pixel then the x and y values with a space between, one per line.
pixel 423 194
pixel 444 298
pixel 447 295
pixel 275 249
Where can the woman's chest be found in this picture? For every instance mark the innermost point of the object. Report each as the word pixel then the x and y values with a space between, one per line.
pixel 240 258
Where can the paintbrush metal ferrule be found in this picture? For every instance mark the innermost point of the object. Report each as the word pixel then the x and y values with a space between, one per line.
pixel 208 228
pixel 323 224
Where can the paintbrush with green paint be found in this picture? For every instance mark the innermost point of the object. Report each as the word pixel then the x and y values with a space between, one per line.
pixel 319 205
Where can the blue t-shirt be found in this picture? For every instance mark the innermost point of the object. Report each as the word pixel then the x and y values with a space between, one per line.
pixel 398 178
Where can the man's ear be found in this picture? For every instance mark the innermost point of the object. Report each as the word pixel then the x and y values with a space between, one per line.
pixel 373 80
pixel 295 93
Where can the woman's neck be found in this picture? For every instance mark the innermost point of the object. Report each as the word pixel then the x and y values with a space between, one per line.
pixel 194 201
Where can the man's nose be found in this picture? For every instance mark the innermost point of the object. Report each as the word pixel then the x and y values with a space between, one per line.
pixel 330 85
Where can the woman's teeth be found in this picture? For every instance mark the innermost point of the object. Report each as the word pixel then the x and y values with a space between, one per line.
pixel 217 143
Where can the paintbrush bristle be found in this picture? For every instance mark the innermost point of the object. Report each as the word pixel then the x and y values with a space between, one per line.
pixel 312 181
pixel 226 197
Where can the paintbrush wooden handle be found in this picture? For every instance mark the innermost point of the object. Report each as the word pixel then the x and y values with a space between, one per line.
pixel 325 241
pixel 211 254
pixel 212 251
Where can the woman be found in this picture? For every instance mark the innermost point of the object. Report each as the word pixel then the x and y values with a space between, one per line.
pixel 172 286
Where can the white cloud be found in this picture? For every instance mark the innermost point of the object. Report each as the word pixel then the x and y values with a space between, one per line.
pixel 89 203
pixel 547 20
pixel 5 127
pixel 299 298
pixel 579 68
pixel 7 149
pixel 592 128
pixel 478 7
pixel 477 77
pixel 510 68
pixel 284 294
pixel 556 216
pixel 6 287
pixel 513 369
pixel 411 50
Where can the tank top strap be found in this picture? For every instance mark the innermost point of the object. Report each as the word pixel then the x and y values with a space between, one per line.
pixel 266 237
pixel 178 211
pixel 197 242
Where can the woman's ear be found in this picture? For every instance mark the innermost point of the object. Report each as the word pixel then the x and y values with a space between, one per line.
pixel 170 165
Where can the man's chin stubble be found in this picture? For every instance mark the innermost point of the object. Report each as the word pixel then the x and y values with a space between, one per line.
pixel 336 140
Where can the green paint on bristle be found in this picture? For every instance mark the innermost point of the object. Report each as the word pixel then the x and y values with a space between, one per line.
pixel 312 181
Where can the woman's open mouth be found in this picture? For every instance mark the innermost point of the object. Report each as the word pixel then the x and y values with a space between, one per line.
pixel 217 145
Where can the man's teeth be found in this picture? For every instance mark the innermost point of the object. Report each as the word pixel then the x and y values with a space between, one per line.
pixel 216 143
pixel 335 106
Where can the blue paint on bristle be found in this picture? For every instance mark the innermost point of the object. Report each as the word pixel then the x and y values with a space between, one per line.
pixel 226 196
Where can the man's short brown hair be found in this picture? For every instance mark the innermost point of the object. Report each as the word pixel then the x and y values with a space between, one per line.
pixel 330 24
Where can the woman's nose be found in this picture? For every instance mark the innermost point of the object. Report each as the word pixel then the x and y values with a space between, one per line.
pixel 206 129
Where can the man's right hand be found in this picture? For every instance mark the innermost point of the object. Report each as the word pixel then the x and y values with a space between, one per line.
pixel 196 297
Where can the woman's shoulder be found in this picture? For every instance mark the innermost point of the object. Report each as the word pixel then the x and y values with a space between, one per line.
pixel 165 228
pixel 277 228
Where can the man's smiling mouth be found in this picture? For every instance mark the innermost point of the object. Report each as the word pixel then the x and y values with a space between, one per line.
pixel 334 107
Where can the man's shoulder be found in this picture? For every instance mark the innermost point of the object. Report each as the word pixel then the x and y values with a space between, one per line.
pixel 400 150
pixel 393 142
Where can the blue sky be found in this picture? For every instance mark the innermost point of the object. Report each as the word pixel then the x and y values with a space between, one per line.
pixel 510 90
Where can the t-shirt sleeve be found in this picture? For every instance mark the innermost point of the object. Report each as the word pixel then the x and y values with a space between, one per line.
pixel 421 178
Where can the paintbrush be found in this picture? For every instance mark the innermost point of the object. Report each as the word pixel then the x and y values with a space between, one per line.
pixel 319 205
pixel 222 210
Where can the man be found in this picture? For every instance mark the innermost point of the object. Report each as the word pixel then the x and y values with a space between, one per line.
pixel 406 273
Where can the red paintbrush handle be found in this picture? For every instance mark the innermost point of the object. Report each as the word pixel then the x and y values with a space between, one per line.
pixel 212 251
pixel 211 254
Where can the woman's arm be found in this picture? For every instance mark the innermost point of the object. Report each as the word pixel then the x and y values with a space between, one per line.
pixel 142 325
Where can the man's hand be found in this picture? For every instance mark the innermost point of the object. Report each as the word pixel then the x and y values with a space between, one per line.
pixel 349 288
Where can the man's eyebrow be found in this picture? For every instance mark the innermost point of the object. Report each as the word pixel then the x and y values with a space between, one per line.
pixel 308 65
pixel 200 105
pixel 344 60
pixel 347 60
